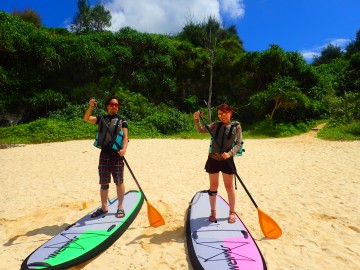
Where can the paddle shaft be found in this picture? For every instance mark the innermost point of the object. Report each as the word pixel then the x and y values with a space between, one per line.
pixel 118 146
pixel 229 162
pixel 136 181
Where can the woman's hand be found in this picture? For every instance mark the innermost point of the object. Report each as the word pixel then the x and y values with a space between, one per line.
pixel 225 155
pixel 197 115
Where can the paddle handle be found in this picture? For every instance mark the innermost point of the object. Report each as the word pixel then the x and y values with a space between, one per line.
pixel 231 165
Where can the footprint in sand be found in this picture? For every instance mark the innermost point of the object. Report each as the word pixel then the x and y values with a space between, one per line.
pixel 354 229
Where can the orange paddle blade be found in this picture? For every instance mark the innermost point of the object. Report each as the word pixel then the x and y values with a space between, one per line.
pixel 268 226
pixel 155 218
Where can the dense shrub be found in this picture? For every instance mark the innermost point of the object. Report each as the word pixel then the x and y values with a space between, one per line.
pixel 339 131
pixel 168 121
pixel 345 109
pixel 69 113
pixel 134 106
pixel 47 130
pixel 269 128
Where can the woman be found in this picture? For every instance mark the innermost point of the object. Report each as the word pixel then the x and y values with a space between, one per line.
pixel 221 158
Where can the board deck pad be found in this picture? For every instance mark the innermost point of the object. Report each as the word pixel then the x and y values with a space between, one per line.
pixel 86 238
pixel 219 245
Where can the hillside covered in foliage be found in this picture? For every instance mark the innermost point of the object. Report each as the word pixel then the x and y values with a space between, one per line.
pixel 44 70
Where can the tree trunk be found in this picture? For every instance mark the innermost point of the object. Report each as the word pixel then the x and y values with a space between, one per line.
pixel 210 84
pixel 277 106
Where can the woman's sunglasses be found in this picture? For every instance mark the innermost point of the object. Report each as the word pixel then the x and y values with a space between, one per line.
pixel 222 114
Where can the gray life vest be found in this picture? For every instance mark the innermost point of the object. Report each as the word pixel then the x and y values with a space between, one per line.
pixel 228 137
pixel 103 139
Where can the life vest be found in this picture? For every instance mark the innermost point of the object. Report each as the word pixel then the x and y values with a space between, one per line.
pixel 103 139
pixel 228 137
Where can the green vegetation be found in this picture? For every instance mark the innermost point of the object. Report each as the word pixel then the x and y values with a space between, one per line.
pixel 47 130
pixel 268 128
pixel 345 121
pixel 146 120
pixel 345 132
pixel 90 19
pixel 47 77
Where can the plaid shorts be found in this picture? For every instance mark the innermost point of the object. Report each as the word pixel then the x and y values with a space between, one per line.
pixel 111 163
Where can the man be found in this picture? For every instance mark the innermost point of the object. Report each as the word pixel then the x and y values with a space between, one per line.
pixel 111 156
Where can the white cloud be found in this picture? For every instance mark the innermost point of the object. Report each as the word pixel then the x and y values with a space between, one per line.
pixel 339 42
pixel 316 51
pixel 309 55
pixel 233 8
pixel 168 16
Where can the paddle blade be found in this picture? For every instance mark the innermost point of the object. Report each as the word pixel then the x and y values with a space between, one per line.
pixel 268 226
pixel 155 218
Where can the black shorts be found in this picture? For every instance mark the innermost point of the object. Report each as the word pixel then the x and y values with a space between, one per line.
pixel 111 163
pixel 214 166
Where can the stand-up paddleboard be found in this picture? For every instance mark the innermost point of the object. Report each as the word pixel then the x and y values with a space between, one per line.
pixel 219 245
pixel 86 238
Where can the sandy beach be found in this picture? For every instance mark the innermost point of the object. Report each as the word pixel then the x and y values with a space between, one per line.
pixel 310 187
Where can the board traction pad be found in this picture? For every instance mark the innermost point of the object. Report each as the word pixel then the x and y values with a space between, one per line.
pixel 86 238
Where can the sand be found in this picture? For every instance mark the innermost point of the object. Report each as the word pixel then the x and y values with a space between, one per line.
pixel 310 187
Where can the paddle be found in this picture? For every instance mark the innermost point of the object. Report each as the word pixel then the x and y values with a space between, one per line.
pixel 154 217
pixel 268 226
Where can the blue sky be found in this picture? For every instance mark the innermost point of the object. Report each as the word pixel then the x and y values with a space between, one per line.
pixel 305 26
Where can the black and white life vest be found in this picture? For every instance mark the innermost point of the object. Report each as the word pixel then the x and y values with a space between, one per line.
pixel 230 136
pixel 103 139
